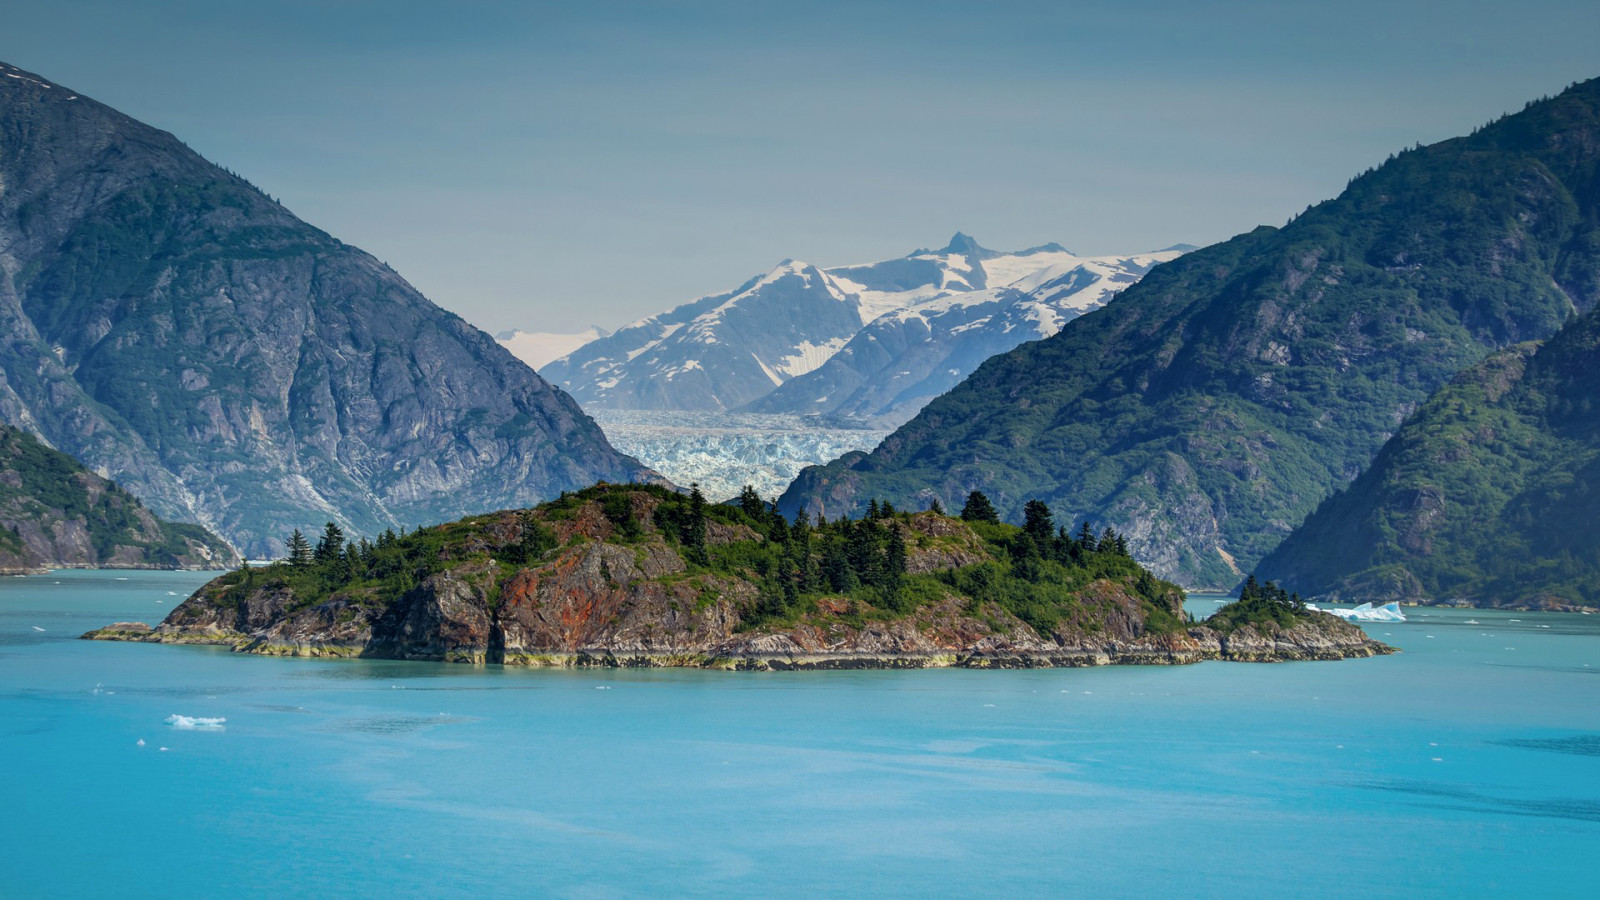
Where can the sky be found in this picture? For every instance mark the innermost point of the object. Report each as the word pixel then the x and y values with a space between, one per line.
pixel 549 167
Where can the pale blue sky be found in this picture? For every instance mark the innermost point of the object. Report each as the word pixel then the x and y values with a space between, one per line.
pixel 549 166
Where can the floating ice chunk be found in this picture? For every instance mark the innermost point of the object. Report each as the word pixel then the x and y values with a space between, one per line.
pixel 1389 612
pixel 193 723
pixel 140 743
pixel 37 628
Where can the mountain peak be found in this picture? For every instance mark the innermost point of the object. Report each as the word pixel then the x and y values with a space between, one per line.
pixel 964 245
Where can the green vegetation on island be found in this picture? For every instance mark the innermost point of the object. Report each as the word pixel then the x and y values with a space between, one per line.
pixel 1037 573
pixel 640 575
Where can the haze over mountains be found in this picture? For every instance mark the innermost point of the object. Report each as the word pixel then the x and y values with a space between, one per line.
pixel 870 342
pixel 176 329
pixel 1205 411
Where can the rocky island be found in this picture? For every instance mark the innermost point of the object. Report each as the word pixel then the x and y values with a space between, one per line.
pixel 632 575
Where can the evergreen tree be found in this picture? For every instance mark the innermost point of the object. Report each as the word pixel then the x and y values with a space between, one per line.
pixel 872 508
pixel 1086 538
pixel 693 536
pixel 1037 523
pixel 330 546
pixel 299 549
pixel 751 503
pixel 836 572
pixel 936 507
pixel 979 509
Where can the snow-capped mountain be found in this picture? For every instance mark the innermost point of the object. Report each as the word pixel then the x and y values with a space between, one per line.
pixel 906 357
pixel 872 341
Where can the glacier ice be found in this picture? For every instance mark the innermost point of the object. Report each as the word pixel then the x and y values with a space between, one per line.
pixel 1366 612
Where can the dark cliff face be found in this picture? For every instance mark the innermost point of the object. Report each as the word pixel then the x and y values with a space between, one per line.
pixel 612 585
pixel 55 513
pixel 1206 411
pixel 168 323
pixel 1489 494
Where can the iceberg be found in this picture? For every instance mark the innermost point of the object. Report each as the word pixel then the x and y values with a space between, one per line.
pixel 1389 612
pixel 191 723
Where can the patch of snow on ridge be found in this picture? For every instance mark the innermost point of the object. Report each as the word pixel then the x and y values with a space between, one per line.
pixel 809 357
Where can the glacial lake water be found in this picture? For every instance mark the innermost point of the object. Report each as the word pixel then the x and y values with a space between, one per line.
pixel 1469 765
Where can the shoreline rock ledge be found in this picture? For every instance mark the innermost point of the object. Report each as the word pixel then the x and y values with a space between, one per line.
pixel 475 639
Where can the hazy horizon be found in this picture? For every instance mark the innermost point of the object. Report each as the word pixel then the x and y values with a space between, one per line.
pixel 547 168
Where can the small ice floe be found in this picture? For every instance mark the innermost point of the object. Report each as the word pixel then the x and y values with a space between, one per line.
pixel 1513 620
pixel 602 687
pixel 140 743
pixel 37 628
pixel 989 705
pixel 1544 626
pixel 172 593
pixel 1472 622
pixel 119 578
pixel 194 723
pixel 1389 612
pixel 163 749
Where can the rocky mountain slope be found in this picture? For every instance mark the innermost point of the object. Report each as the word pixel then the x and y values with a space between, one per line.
pixel 1489 494
pixel 1209 408
pixel 174 327
pixel 644 577
pixel 868 341
pixel 54 513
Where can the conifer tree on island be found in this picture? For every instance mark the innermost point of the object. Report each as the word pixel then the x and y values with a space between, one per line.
pixel 979 509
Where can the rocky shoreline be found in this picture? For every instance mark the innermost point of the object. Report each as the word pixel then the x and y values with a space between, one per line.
pixel 1331 640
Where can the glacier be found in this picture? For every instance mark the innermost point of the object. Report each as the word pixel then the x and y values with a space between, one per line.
pixel 722 452
pixel 1366 612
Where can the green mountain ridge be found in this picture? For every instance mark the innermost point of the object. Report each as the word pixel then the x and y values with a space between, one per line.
pixel 54 513
pixel 1489 494
pixel 1209 408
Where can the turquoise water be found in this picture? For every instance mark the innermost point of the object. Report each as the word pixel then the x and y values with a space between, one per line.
pixel 1467 766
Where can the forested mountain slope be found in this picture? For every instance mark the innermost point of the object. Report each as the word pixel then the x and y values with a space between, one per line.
pixel 55 513
pixel 1208 409
pixel 1490 493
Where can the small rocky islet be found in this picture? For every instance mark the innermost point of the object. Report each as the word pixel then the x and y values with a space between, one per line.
pixel 635 575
